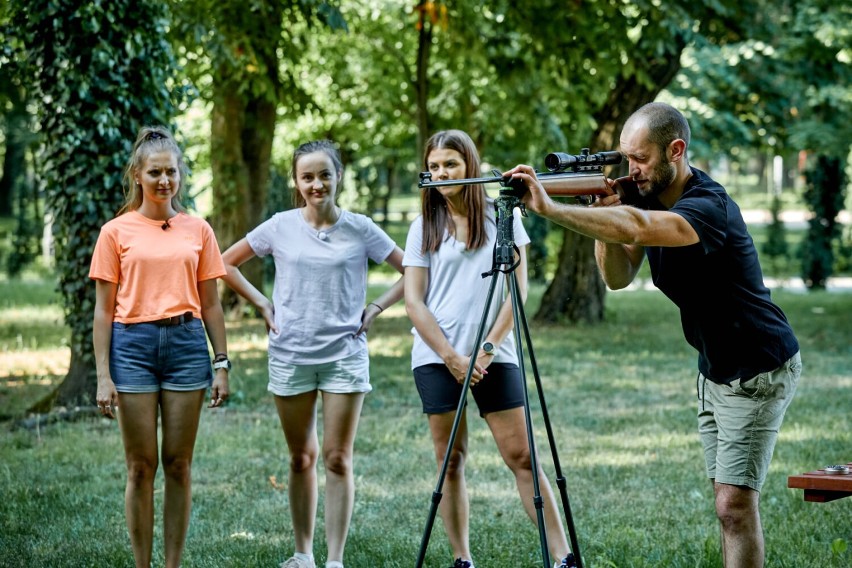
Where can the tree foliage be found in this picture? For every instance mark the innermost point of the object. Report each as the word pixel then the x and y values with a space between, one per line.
pixel 100 70
pixel 241 56
pixel 523 77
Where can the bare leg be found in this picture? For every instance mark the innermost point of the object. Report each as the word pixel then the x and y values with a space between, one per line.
pixel 298 417
pixel 739 518
pixel 181 415
pixel 138 422
pixel 509 430
pixel 340 423
pixel 454 506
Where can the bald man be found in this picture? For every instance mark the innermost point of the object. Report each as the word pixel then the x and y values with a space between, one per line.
pixel 701 257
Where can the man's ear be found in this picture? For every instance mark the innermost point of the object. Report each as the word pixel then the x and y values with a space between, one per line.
pixel 676 150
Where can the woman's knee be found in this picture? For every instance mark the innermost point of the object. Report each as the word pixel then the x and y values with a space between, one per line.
pixel 178 468
pixel 455 465
pixel 302 461
pixel 338 462
pixel 518 460
pixel 141 470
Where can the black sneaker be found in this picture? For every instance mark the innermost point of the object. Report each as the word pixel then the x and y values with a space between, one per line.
pixel 459 563
pixel 568 561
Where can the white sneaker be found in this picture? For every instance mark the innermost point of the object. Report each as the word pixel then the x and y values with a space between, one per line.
pixel 298 563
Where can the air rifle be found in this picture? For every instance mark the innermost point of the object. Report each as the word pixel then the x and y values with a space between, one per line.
pixel 569 175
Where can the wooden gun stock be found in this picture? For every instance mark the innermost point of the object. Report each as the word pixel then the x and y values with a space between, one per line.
pixel 573 185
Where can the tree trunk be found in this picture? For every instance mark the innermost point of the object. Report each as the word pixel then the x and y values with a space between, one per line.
pixel 241 146
pixel 78 387
pixel 14 165
pixel 421 82
pixel 577 292
pixel 242 130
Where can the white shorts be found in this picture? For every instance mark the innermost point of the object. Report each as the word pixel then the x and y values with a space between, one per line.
pixel 344 376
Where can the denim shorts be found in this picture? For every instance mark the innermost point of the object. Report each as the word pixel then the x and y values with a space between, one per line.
pixel 739 423
pixel 144 357
pixel 344 376
pixel 500 389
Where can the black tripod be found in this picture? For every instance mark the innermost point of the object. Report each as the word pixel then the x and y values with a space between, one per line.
pixel 504 250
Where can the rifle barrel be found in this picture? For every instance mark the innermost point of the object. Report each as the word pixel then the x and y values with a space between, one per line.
pixel 554 183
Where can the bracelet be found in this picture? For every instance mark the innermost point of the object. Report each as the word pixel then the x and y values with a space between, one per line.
pixel 381 309
pixel 219 357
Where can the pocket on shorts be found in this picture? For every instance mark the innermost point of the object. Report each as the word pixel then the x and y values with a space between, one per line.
pixel 751 388
pixel 194 325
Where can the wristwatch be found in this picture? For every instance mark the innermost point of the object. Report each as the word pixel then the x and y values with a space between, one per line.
pixel 489 348
pixel 221 362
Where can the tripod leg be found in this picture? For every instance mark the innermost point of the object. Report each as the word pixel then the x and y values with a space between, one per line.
pixel 517 304
pixel 437 495
pixel 560 478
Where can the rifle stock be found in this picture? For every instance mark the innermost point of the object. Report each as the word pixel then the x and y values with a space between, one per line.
pixel 576 184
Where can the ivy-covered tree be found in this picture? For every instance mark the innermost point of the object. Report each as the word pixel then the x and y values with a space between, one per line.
pixel 99 71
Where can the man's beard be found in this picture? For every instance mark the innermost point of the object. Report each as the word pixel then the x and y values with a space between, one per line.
pixel 661 178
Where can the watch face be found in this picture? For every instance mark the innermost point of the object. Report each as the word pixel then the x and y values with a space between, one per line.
pixel 488 347
pixel 223 364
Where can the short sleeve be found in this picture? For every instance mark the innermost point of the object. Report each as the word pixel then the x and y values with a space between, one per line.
pixel 106 261
pixel 210 263
pixel 414 255
pixel 260 238
pixel 706 212
pixel 378 244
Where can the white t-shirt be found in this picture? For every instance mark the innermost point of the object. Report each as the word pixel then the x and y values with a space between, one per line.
pixel 456 292
pixel 320 283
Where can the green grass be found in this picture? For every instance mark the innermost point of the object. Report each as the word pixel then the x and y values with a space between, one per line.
pixel 621 399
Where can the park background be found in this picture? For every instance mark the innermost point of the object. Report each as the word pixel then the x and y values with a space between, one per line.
pixel 766 88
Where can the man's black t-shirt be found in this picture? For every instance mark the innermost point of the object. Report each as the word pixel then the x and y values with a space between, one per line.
pixel 725 308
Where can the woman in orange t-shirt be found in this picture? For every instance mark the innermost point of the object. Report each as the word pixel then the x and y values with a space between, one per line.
pixel 155 269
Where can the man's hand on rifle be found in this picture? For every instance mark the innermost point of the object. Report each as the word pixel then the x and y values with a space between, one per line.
pixel 535 199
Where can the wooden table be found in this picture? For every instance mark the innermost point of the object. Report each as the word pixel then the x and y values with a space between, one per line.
pixel 821 487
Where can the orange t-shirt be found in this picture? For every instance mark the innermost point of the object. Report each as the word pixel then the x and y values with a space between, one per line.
pixel 157 271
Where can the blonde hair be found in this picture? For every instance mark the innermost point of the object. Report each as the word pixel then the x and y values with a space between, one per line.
pixel 150 140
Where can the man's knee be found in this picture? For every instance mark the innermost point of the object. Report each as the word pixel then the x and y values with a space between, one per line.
pixel 736 506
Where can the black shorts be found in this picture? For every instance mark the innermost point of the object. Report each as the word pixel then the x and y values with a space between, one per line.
pixel 500 389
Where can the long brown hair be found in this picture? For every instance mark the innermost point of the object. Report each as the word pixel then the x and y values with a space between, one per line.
pixel 150 140
pixel 433 206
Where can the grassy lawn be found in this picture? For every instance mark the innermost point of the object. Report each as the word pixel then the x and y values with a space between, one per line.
pixel 621 399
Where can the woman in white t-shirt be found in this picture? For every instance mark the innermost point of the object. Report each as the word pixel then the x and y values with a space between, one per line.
pixel 317 323
pixel 448 249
